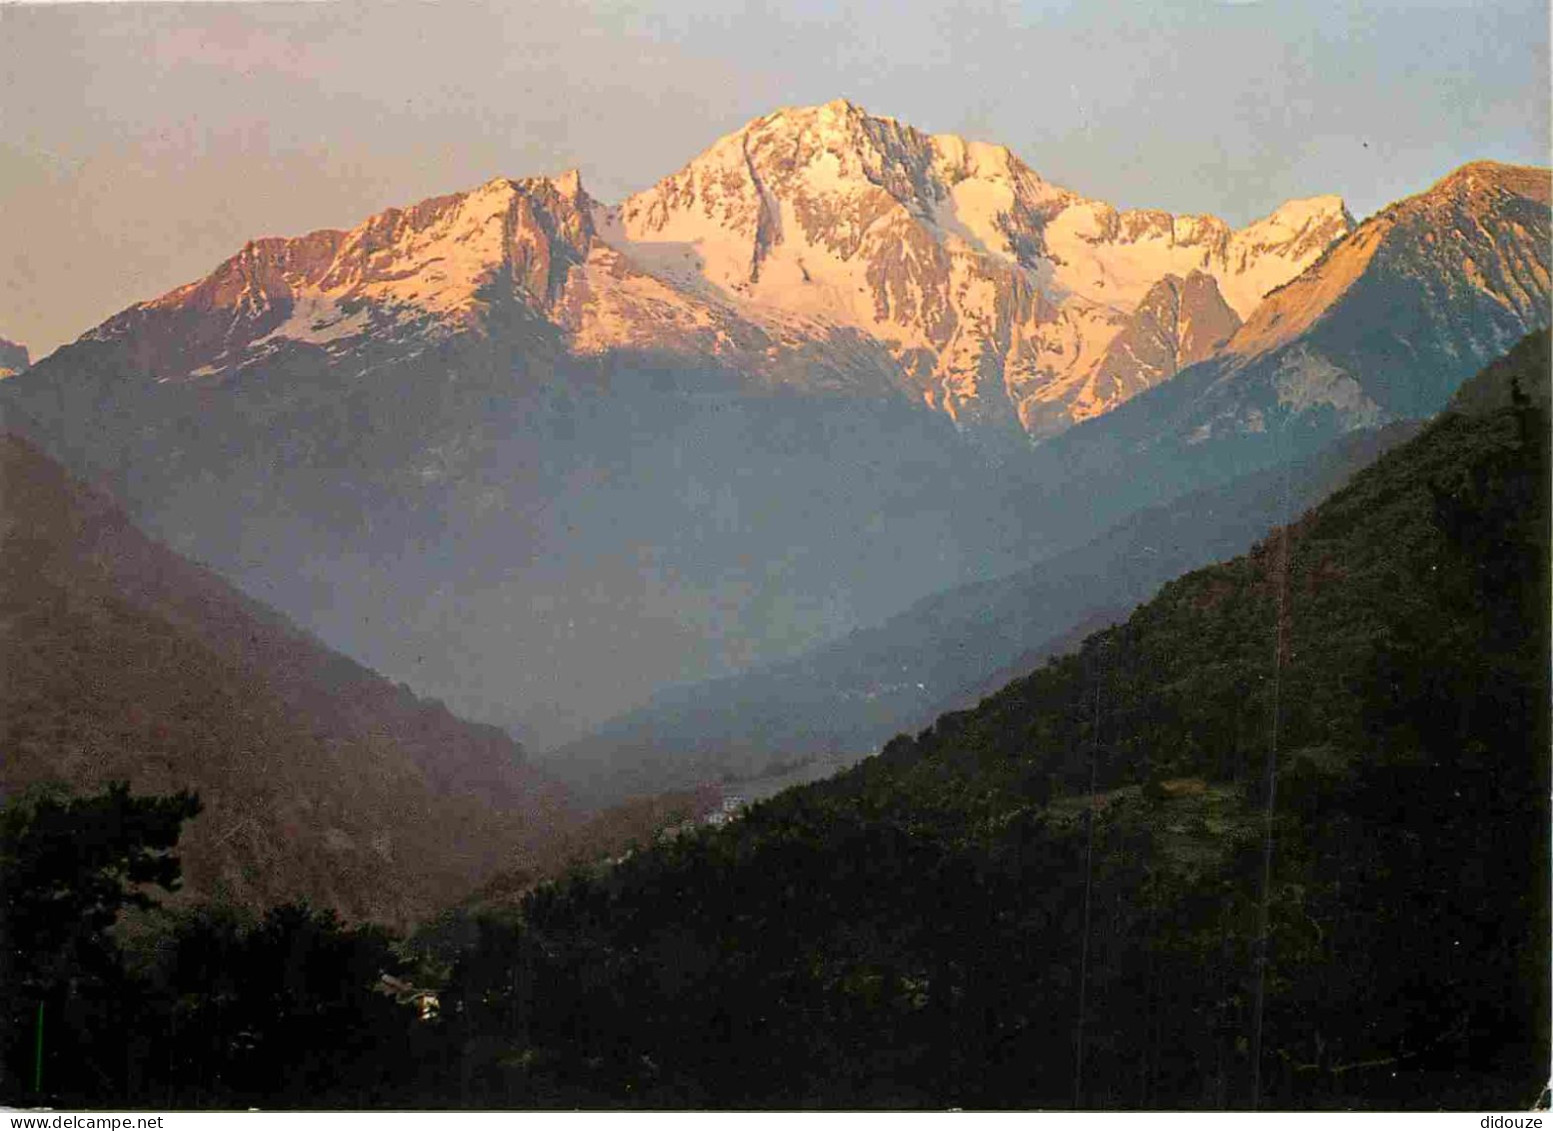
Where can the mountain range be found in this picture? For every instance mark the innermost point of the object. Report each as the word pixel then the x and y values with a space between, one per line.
pixel 540 456
pixel 816 248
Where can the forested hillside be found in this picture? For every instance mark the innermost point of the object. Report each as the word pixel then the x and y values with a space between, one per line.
pixel 1059 897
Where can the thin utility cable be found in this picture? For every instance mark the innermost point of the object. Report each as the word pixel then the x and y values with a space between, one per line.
pixel 1271 786
pixel 1089 872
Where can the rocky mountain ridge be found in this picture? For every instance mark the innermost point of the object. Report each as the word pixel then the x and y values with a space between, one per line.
pixel 1471 255
pixel 1384 327
pixel 817 247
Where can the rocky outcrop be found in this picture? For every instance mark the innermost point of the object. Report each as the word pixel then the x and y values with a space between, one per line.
pixel 1179 323
pixel 1390 323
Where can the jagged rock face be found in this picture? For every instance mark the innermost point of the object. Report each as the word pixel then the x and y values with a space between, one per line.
pixel 515 263
pixel 419 274
pixel 820 249
pixel 995 292
pixel 1179 323
pixel 1391 321
pixel 1384 327
pixel 13 358
pixel 831 216
pixel 1187 319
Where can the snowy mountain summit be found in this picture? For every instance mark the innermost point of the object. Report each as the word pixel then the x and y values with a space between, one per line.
pixel 996 292
pixel 818 247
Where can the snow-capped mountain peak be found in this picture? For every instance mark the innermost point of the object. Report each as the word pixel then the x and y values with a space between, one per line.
pixel 996 291
pixel 425 271
pixel 814 245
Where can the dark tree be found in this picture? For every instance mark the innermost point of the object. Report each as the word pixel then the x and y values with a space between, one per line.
pixel 68 867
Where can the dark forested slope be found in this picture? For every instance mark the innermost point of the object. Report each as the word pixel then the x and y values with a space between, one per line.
pixel 1058 898
pixel 124 661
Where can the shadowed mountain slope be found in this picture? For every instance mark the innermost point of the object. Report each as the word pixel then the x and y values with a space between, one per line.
pixel 320 779
pixel 851 695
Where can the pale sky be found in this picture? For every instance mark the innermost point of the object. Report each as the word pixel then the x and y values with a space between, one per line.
pixel 141 144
